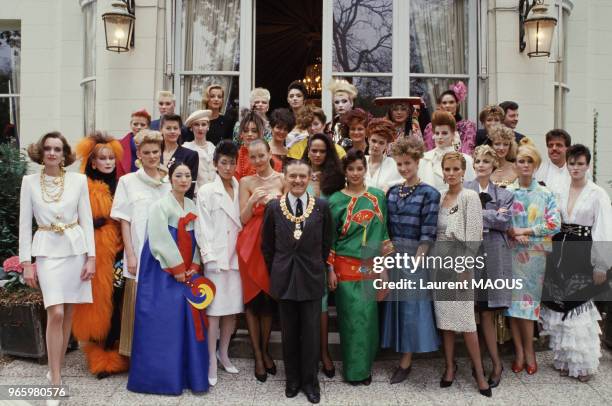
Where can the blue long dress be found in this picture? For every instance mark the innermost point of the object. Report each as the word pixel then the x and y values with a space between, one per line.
pixel 408 323
pixel 170 351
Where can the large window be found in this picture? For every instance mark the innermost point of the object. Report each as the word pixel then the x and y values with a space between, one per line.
pixel 403 47
pixel 10 61
pixel 209 51
pixel 88 83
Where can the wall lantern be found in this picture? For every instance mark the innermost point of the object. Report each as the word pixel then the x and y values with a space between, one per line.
pixel 535 32
pixel 119 26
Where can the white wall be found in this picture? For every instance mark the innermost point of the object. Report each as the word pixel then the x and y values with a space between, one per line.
pixel 130 80
pixel 51 66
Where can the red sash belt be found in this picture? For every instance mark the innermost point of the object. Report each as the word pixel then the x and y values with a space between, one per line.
pixel 348 269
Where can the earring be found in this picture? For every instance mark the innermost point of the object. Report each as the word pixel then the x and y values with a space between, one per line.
pixel 62 162
pixel 138 163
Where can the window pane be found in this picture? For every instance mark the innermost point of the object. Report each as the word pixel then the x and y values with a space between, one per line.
pixel 430 88
pixel 9 124
pixel 439 36
pixel 211 35
pixel 193 88
pixel 362 35
pixel 89 106
pixel 89 40
pixel 10 58
pixel 369 88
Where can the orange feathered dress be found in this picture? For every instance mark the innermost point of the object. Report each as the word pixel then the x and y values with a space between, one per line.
pixel 93 322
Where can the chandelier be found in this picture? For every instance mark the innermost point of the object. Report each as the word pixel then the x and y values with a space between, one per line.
pixel 312 80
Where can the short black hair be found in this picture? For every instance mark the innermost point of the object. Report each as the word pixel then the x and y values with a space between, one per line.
pixel 226 148
pixel 559 133
pixel 576 151
pixel 176 165
pixel 170 117
pixel 296 84
pixel 282 117
pixel 508 105
pixel 354 155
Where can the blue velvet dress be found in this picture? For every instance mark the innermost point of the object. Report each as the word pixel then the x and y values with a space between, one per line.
pixel 408 323
pixel 170 347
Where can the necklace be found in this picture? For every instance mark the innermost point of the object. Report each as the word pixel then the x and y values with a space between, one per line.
pixel 297 233
pixel 405 190
pixel 265 178
pixel 52 191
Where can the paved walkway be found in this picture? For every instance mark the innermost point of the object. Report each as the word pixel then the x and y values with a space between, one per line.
pixel 421 388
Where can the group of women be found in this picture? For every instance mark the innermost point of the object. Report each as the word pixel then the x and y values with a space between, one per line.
pixel 134 267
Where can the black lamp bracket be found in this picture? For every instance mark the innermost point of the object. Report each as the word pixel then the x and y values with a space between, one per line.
pixel 524 8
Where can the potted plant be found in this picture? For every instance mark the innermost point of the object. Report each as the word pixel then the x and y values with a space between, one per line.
pixel 22 314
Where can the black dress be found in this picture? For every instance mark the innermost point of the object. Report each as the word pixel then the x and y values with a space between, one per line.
pixel 221 128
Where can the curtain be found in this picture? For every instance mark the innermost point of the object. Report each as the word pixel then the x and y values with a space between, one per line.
pixel 438 44
pixel 211 39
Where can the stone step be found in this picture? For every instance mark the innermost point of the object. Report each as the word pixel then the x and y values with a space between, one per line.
pixel 240 347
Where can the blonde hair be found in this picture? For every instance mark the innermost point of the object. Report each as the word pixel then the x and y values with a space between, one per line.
pixel 486 150
pixel 449 156
pixel 413 147
pixel 148 137
pixel 206 96
pixel 165 94
pixel 259 92
pixel 338 85
pixel 491 110
pixel 527 149
pixel 503 133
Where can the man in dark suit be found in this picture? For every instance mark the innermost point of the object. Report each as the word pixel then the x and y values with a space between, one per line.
pixel 296 240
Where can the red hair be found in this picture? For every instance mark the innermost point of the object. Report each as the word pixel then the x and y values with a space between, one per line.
pixel 441 117
pixel 142 113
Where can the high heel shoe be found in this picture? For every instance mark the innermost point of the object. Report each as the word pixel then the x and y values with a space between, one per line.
pixel 367 381
pixel 229 368
pixel 444 383
pixel 272 369
pixel 484 392
pixel 330 373
pixel 261 378
pixel 531 369
pixel 517 368
pixel 495 383
pixel 212 381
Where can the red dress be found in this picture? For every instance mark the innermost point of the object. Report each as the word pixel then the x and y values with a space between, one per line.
pixel 253 270
pixel 244 167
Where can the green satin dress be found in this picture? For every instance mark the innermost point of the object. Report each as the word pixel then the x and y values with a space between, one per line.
pixel 360 232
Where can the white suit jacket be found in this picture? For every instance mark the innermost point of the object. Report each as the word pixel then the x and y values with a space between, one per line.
pixel 218 225
pixel 73 207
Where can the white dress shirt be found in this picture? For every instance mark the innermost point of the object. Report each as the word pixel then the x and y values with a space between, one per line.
pixel 293 202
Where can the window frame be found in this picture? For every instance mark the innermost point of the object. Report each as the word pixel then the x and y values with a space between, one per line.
pixel 246 68
pixel 401 75
pixel 89 78
pixel 14 97
pixel 563 9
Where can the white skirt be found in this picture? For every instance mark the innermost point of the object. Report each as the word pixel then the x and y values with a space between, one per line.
pixel 228 293
pixel 575 340
pixel 60 280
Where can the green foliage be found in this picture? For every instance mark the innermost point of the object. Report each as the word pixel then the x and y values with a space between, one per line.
pixel 13 166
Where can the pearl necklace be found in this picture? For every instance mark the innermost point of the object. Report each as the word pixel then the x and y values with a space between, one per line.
pixel 266 177
pixel 405 190
pixel 55 195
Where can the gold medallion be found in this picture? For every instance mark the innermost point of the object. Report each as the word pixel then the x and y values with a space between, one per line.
pixel 297 233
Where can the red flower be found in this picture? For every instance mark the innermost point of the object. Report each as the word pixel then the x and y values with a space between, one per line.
pixel 12 264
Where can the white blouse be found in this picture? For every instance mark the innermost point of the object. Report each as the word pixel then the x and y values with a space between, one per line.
pixel 385 176
pixel 218 225
pixel 430 168
pixel 206 168
pixel 592 209
pixel 72 207
pixel 135 194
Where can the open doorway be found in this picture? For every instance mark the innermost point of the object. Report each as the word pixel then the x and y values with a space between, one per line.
pixel 287 43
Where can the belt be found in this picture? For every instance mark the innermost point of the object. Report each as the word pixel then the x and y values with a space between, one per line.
pixel 352 269
pixel 576 229
pixel 58 228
